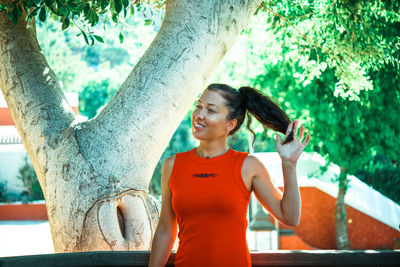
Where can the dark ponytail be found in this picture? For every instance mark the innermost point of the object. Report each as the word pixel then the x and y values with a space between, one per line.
pixel 265 111
pixel 257 104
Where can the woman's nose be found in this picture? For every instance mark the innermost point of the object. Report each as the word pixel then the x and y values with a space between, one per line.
pixel 200 114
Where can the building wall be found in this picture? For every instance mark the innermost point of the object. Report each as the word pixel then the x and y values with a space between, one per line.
pixel 23 212
pixel 317 224
pixel 293 243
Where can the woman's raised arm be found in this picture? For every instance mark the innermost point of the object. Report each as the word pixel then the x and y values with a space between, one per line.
pixel 285 207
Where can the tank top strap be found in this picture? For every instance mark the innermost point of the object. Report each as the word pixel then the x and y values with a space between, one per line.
pixel 238 173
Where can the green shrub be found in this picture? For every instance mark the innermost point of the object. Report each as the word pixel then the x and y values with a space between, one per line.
pixel 382 174
pixel 3 192
pixel 28 176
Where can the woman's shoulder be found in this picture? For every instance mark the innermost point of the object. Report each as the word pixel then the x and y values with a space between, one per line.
pixel 251 162
pixel 167 168
pixel 169 162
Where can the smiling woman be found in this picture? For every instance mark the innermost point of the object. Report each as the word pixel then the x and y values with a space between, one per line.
pixel 206 191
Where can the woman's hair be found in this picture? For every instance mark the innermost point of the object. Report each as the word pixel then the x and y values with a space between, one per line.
pixel 255 103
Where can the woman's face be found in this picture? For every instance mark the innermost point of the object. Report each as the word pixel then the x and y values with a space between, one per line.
pixel 209 117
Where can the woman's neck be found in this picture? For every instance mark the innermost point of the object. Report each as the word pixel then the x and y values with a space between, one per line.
pixel 208 149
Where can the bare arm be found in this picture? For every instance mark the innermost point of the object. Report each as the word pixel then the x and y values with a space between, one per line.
pixel 291 202
pixel 285 207
pixel 165 234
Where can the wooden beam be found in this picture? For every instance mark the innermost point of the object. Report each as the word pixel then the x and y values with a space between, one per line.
pixel 265 258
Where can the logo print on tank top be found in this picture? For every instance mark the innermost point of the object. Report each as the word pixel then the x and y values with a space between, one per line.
pixel 203 175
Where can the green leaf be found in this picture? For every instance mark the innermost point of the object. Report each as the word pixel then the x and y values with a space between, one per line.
pixel 75 9
pixel 388 5
pixel 63 10
pixel 11 15
pixel 114 17
pixel 95 19
pixel 14 14
pixel 33 13
pixel 49 3
pixel 148 22
pixel 54 11
pixel 86 10
pixel 65 24
pixel 118 5
pixel 104 4
pixel 126 4
pixel 3 7
pixel 121 38
pixel 91 40
pixel 98 38
pixel 85 37
pixel 132 10
pixel 92 17
pixel 18 10
pixel 42 14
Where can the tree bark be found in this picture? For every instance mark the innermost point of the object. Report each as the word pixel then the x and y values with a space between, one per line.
pixel 95 174
pixel 342 238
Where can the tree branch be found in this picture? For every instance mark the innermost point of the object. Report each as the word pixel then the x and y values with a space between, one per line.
pixel 142 116
pixel 294 27
pixel 31 89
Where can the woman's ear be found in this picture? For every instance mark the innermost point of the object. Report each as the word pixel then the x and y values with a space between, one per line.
pixel 231 125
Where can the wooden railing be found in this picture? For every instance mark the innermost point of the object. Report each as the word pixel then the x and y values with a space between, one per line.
pixel 267 258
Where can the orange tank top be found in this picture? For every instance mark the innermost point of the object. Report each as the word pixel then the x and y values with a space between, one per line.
pixel 210 202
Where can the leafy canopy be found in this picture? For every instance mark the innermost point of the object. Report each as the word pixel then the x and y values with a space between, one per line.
pixel 349 36
pixel 83 14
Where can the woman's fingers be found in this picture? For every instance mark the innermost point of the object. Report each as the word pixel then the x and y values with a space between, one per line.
pixel 301 133
pixel 278 139
pixel 294 128
pixel 289 128
pixel 307 139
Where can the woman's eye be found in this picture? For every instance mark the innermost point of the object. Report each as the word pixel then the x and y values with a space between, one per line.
pixel 209 109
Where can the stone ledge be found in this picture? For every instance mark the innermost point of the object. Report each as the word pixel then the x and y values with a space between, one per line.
pixel 264 258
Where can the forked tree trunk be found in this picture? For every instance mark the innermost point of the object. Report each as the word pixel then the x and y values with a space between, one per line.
pixel 95 174
pixel 342 238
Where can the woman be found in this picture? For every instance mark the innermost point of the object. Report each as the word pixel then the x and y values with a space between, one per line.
pixel 206 190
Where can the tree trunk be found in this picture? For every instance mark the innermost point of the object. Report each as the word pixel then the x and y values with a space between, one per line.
pixel 95 174
pixel 342 238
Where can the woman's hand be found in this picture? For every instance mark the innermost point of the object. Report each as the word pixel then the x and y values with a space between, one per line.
pixel 290 152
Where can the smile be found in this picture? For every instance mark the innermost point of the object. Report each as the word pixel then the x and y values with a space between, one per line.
pixel 199 126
